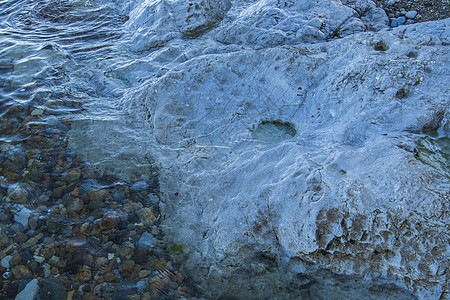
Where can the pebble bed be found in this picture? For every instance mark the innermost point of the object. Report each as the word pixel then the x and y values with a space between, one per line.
pixel 404 12
pixel 66 230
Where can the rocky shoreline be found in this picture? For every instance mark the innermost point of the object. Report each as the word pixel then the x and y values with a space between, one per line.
pixel 80 234
pixel 70 231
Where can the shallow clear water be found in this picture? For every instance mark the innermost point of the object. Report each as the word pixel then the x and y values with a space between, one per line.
pixel 84 233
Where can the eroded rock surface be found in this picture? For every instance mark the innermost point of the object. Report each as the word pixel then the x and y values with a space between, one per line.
pixel 353 201
pixel 153 23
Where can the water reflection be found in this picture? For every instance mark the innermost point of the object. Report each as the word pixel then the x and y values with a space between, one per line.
pixel 82 233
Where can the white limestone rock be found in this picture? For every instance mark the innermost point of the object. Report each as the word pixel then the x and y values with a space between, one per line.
pixel 353 199
pixel 294 164
pixel 269 23
pixel 155 22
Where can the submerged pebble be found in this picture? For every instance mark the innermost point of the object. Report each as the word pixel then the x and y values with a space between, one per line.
pixel 30 292
pixel 411 14
pixel 60 222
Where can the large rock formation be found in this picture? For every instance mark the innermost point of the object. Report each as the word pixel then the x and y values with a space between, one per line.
pixel 296 163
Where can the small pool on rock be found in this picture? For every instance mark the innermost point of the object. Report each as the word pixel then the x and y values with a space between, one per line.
pixel 271 132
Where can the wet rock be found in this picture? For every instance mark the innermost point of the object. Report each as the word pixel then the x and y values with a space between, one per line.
pixel 21 271
pixel 144 273
pixel 33 221
pixel 20 238
pixel 75 205
pixel 126 268
pixel 14 159
pixel 53 260
pixel 5 262
pixel 22 217
pixel 126 250
pixel 98 195
pixel 111 277
pixel 84 274
pixel 3 215
pixel 133 206
pixel 400 20
pixel 411 14
pixel 33 241
pixel 74 174
pixel 30 292
pixel 187 18
pixel 17 193
pixel 146 241
pixel 110 220
pixel 52 289
pixel 224 202
pixel 140 186
pixel 147 216
pixel 15 259
pixel 26 256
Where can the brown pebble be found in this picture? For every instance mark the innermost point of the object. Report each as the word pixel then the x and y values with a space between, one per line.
pixel 21 272
pixel 90 296
pixel 75 174
pixel 85 274
pixel 33 241
pixel 54 270
pixel 85 228
pixel 101 261
pixel 48 251
pixel 126 268
pixel 75 192
pixel 15 259
pixel 179 276
pixel 57 192
pixel 73 215
pixel 147 216
pixel 19 195
pixel 60 183
pixel 61 263
pixel 144 273
pixel 110 277
pixel 98 195
pixel 7 250
pixel 135 274
pixel 110 220
pixel 20 238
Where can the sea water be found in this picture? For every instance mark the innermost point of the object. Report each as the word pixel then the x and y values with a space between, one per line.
pixel 64 220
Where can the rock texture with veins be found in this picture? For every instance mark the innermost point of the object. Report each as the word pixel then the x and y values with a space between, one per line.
pixel 304 145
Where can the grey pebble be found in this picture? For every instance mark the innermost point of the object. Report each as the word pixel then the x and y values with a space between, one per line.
pixel 139 186
pixel 394 23
pixel 411 14
pixel 5 262
pixel 146 241
pixel 30 291
pixel 401 20
pixel 22 217
pixel 52 289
